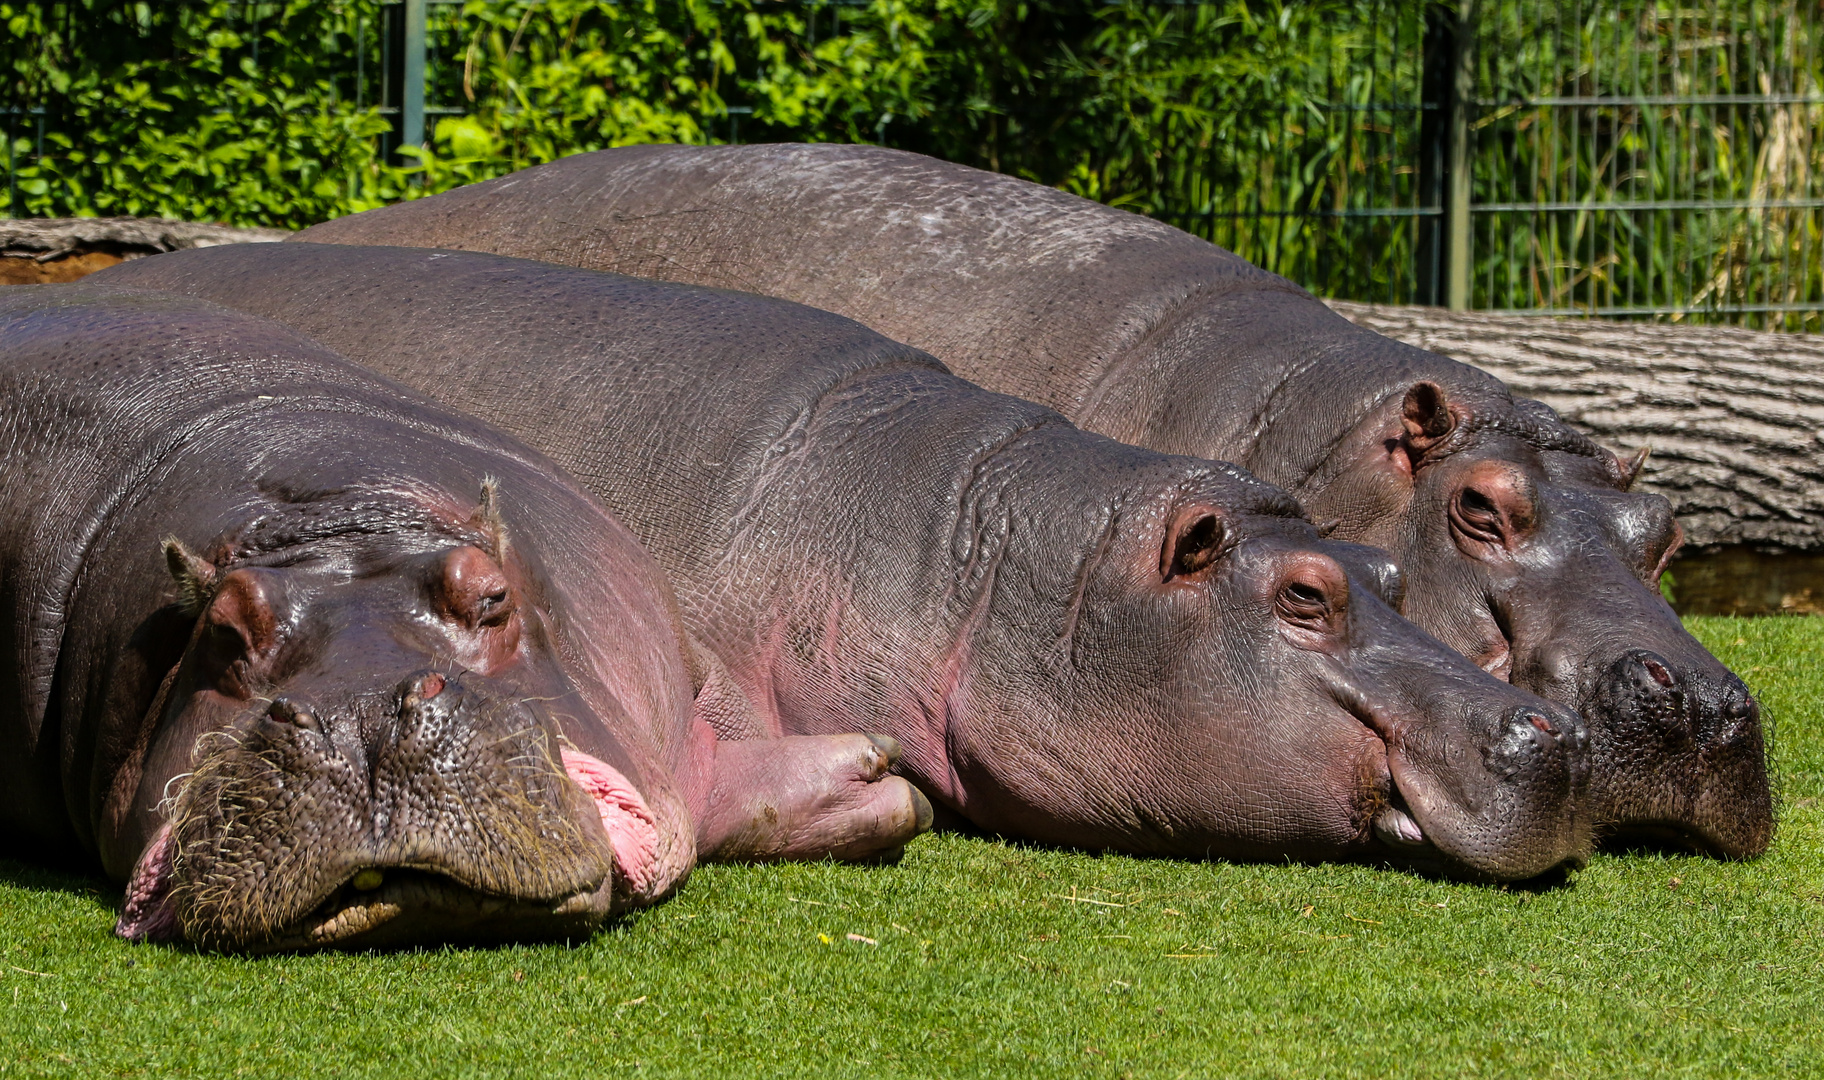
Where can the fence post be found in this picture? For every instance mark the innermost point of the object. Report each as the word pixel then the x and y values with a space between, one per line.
pixel 411 127
pixel 1457 174
pixel 1438 71
pixel 402 33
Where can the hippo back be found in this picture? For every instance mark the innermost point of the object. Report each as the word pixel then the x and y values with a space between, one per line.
pixel 705 385
pixel 1020 288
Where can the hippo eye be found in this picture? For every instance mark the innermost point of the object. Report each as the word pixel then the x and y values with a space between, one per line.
pixel 1303 602
pixel 1476 514
pixel 493 608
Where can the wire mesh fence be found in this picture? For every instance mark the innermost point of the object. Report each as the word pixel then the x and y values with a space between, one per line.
pixel 1645 158
pixel 1342 193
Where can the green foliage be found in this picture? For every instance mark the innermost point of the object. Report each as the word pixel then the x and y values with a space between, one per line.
pixel 1699 138
pixel 164 110
pixel 253 113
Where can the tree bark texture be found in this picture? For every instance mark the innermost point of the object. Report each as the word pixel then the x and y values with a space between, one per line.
pixel 1735 419
pixel 46 250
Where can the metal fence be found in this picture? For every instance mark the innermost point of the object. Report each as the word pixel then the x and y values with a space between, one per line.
pixel 1631 159
pixel 1343 195
pixel 1642 158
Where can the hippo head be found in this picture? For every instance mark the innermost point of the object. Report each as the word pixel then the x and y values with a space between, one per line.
pixel 358 749
pixel 1226 683
pixel 1525 549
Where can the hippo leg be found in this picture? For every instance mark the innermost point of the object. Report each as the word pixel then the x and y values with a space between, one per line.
pixel 809 797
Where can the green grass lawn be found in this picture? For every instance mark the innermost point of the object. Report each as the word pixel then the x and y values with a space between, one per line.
pixel 984 958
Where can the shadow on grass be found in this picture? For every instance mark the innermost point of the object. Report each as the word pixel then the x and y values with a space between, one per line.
pixel 1553 880
pixel 40 877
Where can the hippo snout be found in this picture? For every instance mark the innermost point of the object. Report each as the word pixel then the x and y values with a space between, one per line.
pixel 436 808
pixel 1711 710
pixel 1688 755
pixel 1499 797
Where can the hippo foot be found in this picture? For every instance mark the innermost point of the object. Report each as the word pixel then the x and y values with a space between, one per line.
pixel 809 797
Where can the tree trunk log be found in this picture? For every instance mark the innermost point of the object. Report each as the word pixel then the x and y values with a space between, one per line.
pixel 1735 419
pixel 46 250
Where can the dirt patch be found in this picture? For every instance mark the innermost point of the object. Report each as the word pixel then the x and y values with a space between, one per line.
pixel 26 270
pixel 1741 579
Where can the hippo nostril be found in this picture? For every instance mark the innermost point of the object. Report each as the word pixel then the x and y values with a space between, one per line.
pixel 1542 724
pixel 1739 716
pixel 1661 674
pixel 284 711
pixel 423 689
pixel 1741 706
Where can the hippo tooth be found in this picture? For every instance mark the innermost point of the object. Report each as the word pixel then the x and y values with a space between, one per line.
pixel 353 920
pixel 1397 828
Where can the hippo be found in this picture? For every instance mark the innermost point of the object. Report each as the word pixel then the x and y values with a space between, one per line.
pixel 1521 542
pixel 308 661
pixel 1075 641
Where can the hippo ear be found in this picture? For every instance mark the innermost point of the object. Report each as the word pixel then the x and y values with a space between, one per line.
pixel 1630 469
pixel 1193 540
pixel 1426 418
pixel 487 519
pixel 195 576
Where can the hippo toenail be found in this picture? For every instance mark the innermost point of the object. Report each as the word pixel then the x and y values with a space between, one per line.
pixel 922 814
pixel 887 745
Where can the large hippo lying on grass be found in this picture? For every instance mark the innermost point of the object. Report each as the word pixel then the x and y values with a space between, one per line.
pixel 1075 641
pixel 1521 543
pixel 393 677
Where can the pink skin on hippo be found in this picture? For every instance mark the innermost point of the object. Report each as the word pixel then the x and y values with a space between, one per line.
pixel 1074 640
pixel 1520 540
pixel 353 704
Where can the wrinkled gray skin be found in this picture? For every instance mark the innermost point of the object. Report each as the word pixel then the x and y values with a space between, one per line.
pixel 354 701
pixel 1075 641
pixel 1522 546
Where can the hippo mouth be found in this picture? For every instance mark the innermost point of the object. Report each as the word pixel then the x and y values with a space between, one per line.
pixel 399 904
pixel 1418 816
pixel 1392 821
pixel 404 906
pixel 1396 828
